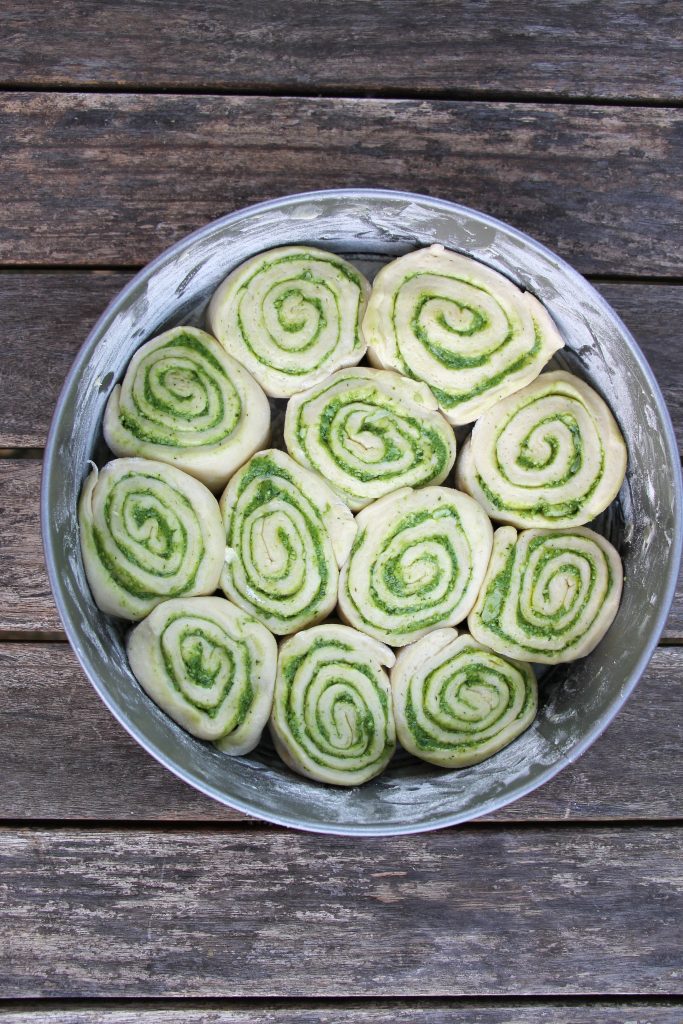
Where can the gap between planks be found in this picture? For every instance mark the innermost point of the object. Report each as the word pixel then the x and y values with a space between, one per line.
pixel 190 826
pixel 290 91
pixel 135 268
pixel 241 1010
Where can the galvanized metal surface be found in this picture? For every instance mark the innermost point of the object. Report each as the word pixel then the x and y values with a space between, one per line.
pixel 577 700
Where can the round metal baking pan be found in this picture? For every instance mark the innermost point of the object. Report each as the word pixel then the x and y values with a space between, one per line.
pixel 577 701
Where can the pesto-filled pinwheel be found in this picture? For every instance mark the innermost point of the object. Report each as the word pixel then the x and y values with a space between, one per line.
pixel 185 401
pixel 287 535
pixel 369 432
pixel 551 455
pixel 149 532
pixel 332 717
pixel 292 316
pixel 417 563
pixel 209 666
pixel 457 702
pixel 461 327
pixel 549 595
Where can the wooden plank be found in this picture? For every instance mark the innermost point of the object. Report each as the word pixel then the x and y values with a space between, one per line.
pixel 674 624
pixel 89 768
pixel 645 309
pixel 354 1012
pixel 65 757
pixel 42 337
pixel 44 320
pixel 25 597
pixel 547 49
pixel 474 911
pixel 109 179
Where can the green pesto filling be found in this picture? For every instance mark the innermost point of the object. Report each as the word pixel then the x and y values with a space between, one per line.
pixel 290 371
pixel 527 461
pixel 366 724
pixel 255 347
pixel 552 555
pixel 416 615
pixel 496 593
pixel 174 538
pixel 542 507
pixel 145 427
pixel 364 720
pixel 394 580
pixel 175 406
pixel 473 677
pixel 195 345
pixel 446 357
pixel 120 576
pixel 499 587
pixel 448 399
pixel 429 447
pixel 266 472
pixel 128 582
pixel 291 665
pixel 142 515
pixel 344 269
pixel 294 326
pixel 203 677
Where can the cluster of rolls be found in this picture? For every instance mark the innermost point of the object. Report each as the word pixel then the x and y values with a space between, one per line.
pixel 351 546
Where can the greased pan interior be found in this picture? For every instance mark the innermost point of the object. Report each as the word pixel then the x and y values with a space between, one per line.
pixel 577 701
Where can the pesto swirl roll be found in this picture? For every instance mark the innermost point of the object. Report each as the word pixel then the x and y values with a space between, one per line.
pixel 185 401
pixel 463 328
pixel 332 717
pixel 418 562
pixel 287 534
pixel 549 595
pixel 550 455
pixel 209 666
pixel 368 432
pixel 457 702
pixel 291 316
pixel 149 532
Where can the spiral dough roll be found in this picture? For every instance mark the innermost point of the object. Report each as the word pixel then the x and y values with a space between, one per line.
pixel 461 327
pixel 551 455
pixel 549 595
pixel 292 316
pixel 369 432
pixel 332 716
pixel 287 534
pixel 456 702
pixel 418 562
pixel 149 532
pixel 185 401
pixel 209 666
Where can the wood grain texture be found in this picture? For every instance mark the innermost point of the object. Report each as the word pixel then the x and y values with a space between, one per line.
pixel 46 316
pixel 65 757
pixel 25 596
pixel 44 319
pixel 522 919
pixel 674 624
pixel 113 179
pixel 355 1012
pixel 430 47
pixel 26 603
pixel 470 911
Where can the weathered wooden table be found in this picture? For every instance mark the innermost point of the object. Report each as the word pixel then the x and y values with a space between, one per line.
pixel 125 895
